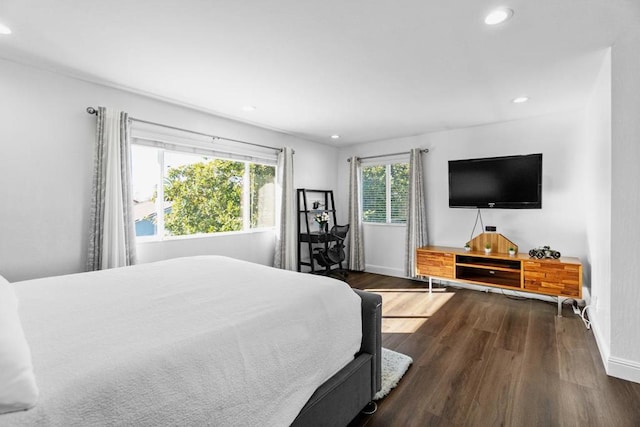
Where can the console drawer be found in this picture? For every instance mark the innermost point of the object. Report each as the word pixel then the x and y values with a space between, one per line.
pixel 553 278
pixel 437 264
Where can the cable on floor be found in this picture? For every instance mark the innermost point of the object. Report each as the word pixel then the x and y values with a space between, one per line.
pixel 587 322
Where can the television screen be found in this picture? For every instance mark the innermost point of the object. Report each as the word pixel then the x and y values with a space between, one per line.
pixel 512 182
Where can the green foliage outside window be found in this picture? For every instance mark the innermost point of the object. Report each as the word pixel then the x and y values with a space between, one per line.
pixel 374 194
pixel 399 192
pixel 206 197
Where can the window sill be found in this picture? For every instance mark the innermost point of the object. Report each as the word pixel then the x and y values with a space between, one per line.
pixel 384 224
pixel 155 239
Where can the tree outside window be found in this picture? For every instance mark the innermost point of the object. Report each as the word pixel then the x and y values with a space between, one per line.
pixel 205 197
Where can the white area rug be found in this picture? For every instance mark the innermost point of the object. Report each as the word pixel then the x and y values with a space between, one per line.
pixel 394 365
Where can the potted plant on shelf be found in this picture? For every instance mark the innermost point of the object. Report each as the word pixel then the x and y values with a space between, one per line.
pixel 322 219
pixel 487 248
pixel 512 250
pixel 467 247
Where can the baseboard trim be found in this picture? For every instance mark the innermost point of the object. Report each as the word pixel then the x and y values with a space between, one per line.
pixel 603 347
pixel 624 369
pixel 386 271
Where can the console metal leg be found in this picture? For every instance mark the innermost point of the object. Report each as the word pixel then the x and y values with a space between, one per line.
pixel 430 284
pixel 560 300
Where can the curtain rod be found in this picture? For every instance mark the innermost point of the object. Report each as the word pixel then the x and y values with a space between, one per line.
pixel 424 150
pixel 92 110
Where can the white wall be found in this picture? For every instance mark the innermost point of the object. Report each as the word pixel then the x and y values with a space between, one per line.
pixel 560 223
pixel 597 194
pixel 625 203
pixel 46 158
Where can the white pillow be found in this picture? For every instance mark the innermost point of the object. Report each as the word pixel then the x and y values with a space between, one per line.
pixel 18 389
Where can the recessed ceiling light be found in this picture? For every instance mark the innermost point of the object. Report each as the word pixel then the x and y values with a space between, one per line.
pixel 4 29
pixel 520 99
pixel 498 16
pixel 335 136
pixel 248 108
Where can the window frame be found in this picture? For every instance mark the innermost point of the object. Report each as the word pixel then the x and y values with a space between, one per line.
pixel 388 164
pixel 247 160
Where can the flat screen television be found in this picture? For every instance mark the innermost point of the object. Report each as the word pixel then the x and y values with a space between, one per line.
pixel 511 182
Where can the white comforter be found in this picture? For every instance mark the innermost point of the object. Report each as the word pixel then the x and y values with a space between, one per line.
pixel 191 341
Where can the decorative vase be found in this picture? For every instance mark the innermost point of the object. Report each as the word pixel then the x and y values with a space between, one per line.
pixel 467 248
pixel 487 251
pixel 512 252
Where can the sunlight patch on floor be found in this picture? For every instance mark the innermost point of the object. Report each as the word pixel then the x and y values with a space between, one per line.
pixel 399 325
pixel 406 310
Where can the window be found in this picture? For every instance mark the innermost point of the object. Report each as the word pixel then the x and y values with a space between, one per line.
pixel 178 193
pixel 385 193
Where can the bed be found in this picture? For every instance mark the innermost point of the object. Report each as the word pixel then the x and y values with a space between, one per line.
pixel 203 340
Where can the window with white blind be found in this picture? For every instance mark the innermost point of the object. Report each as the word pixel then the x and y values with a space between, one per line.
pixel 385 193
pixel 182 193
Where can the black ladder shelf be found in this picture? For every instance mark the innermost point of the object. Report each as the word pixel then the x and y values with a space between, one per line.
pixel 311 203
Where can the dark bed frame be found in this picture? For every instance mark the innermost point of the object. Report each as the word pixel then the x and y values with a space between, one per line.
pixel 348 392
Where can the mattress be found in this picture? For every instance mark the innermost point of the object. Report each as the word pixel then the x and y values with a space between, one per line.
pixel 190 341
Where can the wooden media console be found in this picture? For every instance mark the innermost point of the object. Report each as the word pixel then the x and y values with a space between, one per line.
pixel 561 277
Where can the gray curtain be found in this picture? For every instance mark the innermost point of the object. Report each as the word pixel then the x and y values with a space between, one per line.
pixel 356 242
pixel 416 212
pixel 111 233
pixel 285 254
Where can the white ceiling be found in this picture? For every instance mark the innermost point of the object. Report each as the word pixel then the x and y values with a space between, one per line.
pixel 365 69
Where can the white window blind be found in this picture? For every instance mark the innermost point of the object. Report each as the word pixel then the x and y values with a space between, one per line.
pixel 385 193
pixel 399 192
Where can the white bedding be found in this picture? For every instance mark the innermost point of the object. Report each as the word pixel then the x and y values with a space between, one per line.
pixel 191 341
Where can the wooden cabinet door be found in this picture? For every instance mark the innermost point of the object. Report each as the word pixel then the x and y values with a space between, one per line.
pixel 553 277
pixel 436 264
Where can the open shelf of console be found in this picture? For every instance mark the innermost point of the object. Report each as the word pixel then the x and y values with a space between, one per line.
pixel 488 271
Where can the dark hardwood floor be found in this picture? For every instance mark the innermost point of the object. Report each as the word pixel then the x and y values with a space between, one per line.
pixel 483 359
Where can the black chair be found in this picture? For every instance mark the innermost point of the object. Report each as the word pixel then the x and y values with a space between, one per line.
pixel 333 253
